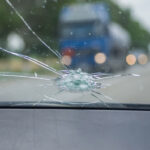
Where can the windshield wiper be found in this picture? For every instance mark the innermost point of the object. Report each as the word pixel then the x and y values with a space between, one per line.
pixel 72 105
pixel 49 103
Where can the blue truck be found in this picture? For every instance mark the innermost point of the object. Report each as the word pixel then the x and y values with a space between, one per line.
pixel 89 40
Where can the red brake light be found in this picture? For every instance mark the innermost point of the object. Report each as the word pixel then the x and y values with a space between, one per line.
pixel 68 52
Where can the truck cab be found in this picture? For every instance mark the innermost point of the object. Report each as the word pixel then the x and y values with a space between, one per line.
pixel 85 39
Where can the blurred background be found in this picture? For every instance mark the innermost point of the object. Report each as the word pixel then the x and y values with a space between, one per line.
pixel 95 35
pixel 110 36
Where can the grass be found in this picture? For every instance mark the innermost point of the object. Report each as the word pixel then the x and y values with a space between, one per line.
pixel 19 65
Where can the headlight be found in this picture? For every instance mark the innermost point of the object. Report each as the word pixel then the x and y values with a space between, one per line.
pixel 142 59
pixel 100 58
pixel 66 60
pixel 130 59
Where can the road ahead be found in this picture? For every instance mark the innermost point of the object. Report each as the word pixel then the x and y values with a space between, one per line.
pixel 124 89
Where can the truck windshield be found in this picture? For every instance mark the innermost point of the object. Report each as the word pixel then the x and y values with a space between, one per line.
pixel 81 30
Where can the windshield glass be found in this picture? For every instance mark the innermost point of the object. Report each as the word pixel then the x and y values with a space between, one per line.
pixel 74 52
pixel 81 30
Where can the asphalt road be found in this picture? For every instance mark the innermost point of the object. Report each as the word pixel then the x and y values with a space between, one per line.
pixel 124 89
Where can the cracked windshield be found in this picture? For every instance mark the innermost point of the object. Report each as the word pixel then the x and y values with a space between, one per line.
pixel 74 52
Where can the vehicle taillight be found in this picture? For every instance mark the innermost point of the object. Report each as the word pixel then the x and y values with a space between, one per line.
pixel 68 52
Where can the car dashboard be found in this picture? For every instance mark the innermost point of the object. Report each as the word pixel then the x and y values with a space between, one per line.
pixel 74 129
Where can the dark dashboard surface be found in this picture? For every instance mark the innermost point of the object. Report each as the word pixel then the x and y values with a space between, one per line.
pixel 74 129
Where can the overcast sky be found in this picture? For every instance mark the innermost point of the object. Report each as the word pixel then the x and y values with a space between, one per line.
pixel 140 10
